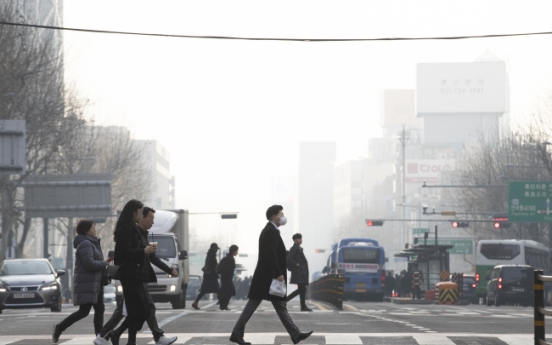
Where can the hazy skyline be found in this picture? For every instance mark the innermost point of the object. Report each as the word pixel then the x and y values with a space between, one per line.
pixel 232 113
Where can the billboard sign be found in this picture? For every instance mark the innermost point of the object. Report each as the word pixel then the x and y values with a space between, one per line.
pixel 398 107
pixel 529 202
pixel 428 170
pixel 59 195
pixel 473 87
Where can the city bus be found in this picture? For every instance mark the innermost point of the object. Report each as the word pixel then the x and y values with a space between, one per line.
pixel 362 261
pixel 491 253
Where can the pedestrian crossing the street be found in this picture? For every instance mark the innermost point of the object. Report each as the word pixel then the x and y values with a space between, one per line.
pixel 320 339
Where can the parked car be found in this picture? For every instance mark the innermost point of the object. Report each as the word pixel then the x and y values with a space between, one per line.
pixel 468 288
pixel 30 283
pixel 109 294
pixel 193 287
pixel 510 284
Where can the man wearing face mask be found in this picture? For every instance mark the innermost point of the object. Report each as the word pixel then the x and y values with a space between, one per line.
pixel 270 265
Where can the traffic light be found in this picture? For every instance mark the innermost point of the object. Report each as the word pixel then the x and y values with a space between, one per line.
pixel 502 225
pixel 501 222
pixel 320 251
pixel 456 224
pixel 229 216
pixel 371 222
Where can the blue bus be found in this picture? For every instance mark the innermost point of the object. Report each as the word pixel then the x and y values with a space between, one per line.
pixel 362 261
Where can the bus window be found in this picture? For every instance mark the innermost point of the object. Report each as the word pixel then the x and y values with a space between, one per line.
pixel 499 251
pixel 361 255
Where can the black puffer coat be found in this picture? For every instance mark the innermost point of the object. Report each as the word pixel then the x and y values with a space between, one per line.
pixel 89 266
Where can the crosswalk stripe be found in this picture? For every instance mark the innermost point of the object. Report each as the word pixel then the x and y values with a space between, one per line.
pixel 433 339
pixel 343 339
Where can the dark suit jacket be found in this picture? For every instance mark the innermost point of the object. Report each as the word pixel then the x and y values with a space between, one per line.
pixel 270 265
pixel 298 265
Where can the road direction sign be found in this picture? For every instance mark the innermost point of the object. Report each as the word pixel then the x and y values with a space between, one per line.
pixel 12 147
pixel 461 246
pixel 419 231
pixel 530 201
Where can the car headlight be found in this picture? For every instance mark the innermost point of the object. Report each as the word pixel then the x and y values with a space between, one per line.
pixel 173 287
pixel 3 289
pixel 120 288
pixel 49 287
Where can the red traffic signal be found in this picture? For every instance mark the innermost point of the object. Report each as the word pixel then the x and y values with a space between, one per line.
pixel 320 251
pixel 460 224
pixel 501 225
pixel 371 222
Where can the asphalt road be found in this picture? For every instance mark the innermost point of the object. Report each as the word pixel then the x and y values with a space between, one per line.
pixel 359 323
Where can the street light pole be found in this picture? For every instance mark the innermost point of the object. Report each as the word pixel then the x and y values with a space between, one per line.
pixel 403 138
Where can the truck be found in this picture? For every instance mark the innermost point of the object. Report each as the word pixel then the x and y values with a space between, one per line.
pixel 170 231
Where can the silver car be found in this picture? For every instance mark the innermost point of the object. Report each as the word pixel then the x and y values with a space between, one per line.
pixel 29 283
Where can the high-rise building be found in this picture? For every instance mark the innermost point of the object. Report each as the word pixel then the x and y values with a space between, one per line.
pixel 315 197
pixel 157 159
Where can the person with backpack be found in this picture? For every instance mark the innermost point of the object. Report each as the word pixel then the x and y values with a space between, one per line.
pixel 226 269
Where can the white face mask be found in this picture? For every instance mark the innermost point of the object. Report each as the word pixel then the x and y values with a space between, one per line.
pixel 283 220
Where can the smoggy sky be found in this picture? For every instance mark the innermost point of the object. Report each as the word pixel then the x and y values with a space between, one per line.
pixel 232 113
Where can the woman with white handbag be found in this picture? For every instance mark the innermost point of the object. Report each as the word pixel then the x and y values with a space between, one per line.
pixel 269 279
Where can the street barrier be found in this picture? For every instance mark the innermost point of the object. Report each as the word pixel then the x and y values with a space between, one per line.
pixel 328 289
pixel 540 312
pixel 448 293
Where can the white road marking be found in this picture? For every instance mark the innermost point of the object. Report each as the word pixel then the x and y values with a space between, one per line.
pixel 436 339
pixel 343 339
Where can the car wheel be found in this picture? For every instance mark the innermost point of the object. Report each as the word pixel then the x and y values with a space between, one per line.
pixel 57 307
pixel 496 301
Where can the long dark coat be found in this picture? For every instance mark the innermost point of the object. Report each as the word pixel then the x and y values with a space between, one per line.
pixel 298 265
pixel 89 266
pixel 270 265
pixel 129 252
pixel 210 282
pixel 136 269
pixel 226 269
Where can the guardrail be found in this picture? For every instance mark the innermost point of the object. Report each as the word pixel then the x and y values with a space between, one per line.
pixel 540 312
pixel 328 289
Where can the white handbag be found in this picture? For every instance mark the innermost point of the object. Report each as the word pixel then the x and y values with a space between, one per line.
pixel 278 288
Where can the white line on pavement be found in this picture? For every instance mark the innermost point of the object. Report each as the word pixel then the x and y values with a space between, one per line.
pixel 434 339
pixel 343 339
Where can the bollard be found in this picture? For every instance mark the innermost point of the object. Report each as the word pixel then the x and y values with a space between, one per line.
pixel 539 299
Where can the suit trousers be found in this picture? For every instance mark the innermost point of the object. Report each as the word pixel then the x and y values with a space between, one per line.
pixel 281 310
pixel 117 316
pixel 301 291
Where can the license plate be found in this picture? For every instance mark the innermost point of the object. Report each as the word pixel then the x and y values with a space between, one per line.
pixel 518 289
pixel 23 295
pixel 152 283
pixel 360 285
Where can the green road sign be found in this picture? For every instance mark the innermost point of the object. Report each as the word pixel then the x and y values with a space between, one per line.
pixel 419 231
pixel 529 202
pixel 460 246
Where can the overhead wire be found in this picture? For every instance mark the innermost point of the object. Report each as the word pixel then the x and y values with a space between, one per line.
pixel 212 37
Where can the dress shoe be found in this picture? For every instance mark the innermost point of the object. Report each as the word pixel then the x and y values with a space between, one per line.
pixel 301 337
pixel 56 333
pixel 195 306
pixel 239 340
pixel 306 309
pixel 114 337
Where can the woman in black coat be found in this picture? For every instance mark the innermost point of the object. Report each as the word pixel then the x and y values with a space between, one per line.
pixel 87 280
pixel 210 282
pixel 226 269
pixel 132 253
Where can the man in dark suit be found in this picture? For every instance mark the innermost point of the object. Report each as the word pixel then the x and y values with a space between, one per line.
pixel 270 265
pixel 299 267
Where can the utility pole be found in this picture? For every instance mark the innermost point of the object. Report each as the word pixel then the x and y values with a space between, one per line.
pixel 403 138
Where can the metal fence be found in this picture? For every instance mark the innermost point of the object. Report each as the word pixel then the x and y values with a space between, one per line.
pixel 328 289
pixel 540 312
